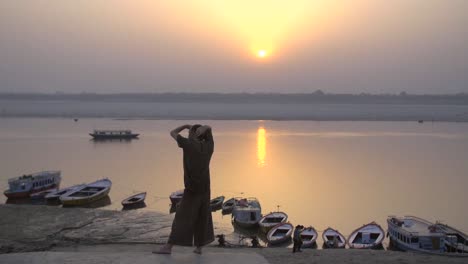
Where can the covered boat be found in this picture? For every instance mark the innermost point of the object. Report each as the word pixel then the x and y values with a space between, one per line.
pixel 456 240
pixel 113 134
pixel 280 233
pixel 309 237
pixel 55 195
pixel 27 185
pixel 176 196
pixel 134 199
pixel 270 220
pixel 87 193
pixel 368 236
pixel 411 233
pixel 216 203
pixel 247 212
pixel 228 206
pixel 332 238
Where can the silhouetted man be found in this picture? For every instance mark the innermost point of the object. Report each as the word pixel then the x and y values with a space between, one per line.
pixel 193 223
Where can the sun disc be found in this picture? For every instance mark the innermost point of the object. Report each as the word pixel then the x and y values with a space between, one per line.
pixel 262 53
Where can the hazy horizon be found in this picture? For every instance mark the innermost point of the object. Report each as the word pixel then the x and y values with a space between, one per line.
pixel 349 46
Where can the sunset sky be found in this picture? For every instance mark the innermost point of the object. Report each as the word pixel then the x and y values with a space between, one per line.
pixel 347 46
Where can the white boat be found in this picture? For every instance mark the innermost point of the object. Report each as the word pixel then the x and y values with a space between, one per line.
pixel 412 233
pixel 55 195
pixel 26 185
pixel 368 236
pixel 176 196
pixel 247 212
pixel 134 199
pixel 280 233
pixel 228 205
pixel 41 195
pixel 87 193
pixel 216 203
pixel 456 240
pixel 332 238
pixel 270 220
pixel 309 237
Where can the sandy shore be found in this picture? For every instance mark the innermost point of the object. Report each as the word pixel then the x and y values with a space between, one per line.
pixel 43 234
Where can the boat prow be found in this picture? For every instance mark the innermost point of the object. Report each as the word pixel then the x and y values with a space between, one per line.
pixel 280 233
pixel 332 238
pixel 368 236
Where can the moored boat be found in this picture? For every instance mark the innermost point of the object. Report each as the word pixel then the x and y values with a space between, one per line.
pixel 27 185
pixel 113 134
pixel 87 193
pixel 280 233
pixel 332 238
pixel 270 220
pixel 216 203
pixel 456 240
pixel 368 236
pixel 176 196
pixel 411 233
pixel 134 199
pixel 41 195
pixel 247 212
pixel 309 237
pixel 55 195
pixel 228 206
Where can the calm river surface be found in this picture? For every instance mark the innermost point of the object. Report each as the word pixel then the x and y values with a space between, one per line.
pixel 339 174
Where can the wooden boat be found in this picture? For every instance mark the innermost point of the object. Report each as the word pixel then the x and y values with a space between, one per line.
pixel 247 212
pixel 27 185
pixel 134 199
pixel 456 240
pixel 280 233
pixel 228 206
pixel 309 237
pixel 332 238
pixel 41 195
pixel 176 196
pixel 55 195
pixel 113 134
pixel 411 233
pixel 88 193
pixel 268 221
pixel 216 203
pixel 368 236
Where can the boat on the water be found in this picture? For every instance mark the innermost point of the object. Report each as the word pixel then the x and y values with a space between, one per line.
pixel 216 203
pixel 309 237
pixel 113 134
pixel 270 220
pixel 456 240
pixel 247 212
pixel 411 233
pixel 332 238
pixel 55 195
pixel 87 193
pixel 41 195
pixel 368 236
pixel 27 185
pixel 280 233
pixel 135 199
pixel 228 205
pixel 176 196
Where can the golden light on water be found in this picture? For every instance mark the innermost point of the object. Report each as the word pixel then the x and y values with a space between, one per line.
pixel 261 147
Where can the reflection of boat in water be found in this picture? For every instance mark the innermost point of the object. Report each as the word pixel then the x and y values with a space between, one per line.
pixel 113 134
pixel 270 220
pixel 309 237
pixel 247 212
pixel 280 233
pixel 412 233
pixel 88 193
pixel 368 236
pixel 134 206
pixel 216 203
pixel 27 185
pixel 332 238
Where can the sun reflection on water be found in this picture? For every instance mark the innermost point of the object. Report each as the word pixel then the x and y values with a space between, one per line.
pixel 261 147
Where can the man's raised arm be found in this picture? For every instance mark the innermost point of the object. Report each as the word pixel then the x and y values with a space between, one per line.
pixel 177 130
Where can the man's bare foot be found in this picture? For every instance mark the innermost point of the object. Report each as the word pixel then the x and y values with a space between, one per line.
pixel 166 249
pixel 198 250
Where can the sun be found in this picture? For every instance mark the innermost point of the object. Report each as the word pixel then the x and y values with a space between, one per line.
pixel 262 53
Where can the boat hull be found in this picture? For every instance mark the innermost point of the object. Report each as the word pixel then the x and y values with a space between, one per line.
pixel 103 137
pixel 86 200
pixel 27 194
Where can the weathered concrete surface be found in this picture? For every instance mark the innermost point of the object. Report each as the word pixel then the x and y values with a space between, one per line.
pixel 34 228
pixel 134 255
